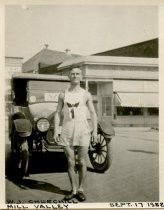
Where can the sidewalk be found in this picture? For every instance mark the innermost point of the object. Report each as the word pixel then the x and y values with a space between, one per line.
pixel 135 129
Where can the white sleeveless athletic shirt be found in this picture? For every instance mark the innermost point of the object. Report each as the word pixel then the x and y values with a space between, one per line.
pixel 75 128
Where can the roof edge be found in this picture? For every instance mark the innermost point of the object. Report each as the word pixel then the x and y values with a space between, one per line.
pixel 110 60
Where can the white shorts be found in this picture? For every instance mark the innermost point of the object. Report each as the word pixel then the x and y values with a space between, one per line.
pixel 75 133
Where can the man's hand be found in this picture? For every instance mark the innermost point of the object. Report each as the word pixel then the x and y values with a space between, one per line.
pixel 57 117
pixel 56 138
pixel 94 138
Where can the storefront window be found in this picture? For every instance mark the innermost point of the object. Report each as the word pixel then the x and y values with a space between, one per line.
pixel 106 106
pixel 153 111
pixel 125 111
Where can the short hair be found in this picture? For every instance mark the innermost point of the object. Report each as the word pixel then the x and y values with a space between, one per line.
pixel 74 66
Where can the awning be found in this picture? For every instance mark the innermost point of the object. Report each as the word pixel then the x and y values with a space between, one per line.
pixel 136 99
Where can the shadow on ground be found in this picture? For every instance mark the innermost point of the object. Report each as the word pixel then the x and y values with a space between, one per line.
pixel 142 151
pixel 48 162
pixel 39 185
pixel 94 170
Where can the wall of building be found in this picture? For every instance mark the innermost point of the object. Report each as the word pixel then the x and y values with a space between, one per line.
pixel 135 86
pixel 12 65
pixel 117 72
pixel 129 79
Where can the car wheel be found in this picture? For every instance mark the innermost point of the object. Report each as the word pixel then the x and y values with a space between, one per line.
pixel 100 153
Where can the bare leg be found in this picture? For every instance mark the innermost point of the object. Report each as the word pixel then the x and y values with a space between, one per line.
pixel 82 154
pixel 71 167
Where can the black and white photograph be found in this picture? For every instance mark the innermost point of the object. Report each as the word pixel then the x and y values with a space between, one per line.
pixel 81 103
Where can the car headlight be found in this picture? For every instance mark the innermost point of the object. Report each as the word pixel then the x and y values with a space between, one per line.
pixel 43 125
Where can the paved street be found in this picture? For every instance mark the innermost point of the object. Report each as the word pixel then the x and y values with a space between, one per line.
pixel 133 175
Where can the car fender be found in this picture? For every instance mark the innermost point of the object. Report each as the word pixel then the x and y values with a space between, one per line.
pixel 23 127
pixel 12 117
pixel 106 128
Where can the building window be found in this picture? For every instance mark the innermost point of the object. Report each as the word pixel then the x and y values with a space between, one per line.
pixel 126 111
pixel 92 88
pixel 8 106
pixel 153 111
pixel 107 106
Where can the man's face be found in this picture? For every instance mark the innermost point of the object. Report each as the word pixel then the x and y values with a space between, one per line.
pixel 75 76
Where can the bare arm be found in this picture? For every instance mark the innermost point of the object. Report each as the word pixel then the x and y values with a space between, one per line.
pixel 93 114
pixel 57 116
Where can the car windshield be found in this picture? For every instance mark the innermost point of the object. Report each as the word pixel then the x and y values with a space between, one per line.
pixel 45 91
pixel 43 96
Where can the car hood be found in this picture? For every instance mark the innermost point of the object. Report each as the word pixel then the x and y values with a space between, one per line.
pixel 39 110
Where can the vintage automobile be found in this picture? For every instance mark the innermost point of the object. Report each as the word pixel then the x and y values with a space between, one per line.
pixel 31 122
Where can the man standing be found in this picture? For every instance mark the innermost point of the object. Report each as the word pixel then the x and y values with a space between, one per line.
pixel 75 135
